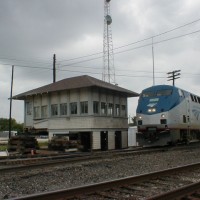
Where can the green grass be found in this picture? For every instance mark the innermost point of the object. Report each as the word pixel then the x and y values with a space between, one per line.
pixel 3 147
pixel 43 144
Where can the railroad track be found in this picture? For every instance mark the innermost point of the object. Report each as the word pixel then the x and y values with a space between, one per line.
pixel 8 165
pixel 174 183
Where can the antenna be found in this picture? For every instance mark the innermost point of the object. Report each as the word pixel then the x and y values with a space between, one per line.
pixel 153 62
pixel 108 74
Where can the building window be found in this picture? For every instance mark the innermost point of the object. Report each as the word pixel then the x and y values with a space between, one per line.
pixel 44 111
pixel 84 107
pixel 110 109
pixel 123 110
pixel 37 112
pixel 96 107
pixel 103 108
pixel 184 119
pixel 117 109
pixel 28 108
pixel 73 108
pixel 54 110
pixel 63 109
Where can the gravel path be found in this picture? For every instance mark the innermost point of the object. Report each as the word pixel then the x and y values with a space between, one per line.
pixel 17 184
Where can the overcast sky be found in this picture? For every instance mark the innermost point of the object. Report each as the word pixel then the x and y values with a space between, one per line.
pixel 32 31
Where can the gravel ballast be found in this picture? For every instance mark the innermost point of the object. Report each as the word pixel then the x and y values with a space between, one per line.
pixel 16 184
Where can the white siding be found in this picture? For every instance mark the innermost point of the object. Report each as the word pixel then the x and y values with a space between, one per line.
pixel 28 117
pixel 109 98
pixel 96 140
pixel 123 101
pixel 103 98
pixel 84 94
pixel 54 98
pixel 74 96
pixel 95 95
pixel 116 100
pixel 111 140
pixel 44 100
pixel 37 101
pixel 124 139
pixel 63 97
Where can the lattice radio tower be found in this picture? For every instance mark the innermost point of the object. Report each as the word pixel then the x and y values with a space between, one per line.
pixel 108 74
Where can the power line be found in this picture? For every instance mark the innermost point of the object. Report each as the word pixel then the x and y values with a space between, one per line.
pixel 138 47
pixel 126 45
pixel 74 71
pixel 161 41
pixel 97 73
pixel 27 66
pixel 160 34
pixel 26 61
pixel 142 40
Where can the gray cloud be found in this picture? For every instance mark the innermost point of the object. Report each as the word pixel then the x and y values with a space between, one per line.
pixel 32 31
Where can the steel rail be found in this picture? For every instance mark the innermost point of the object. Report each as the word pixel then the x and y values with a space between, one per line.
pixel 56 160
pixel 93 188
pixel 178 193
pixel 48 163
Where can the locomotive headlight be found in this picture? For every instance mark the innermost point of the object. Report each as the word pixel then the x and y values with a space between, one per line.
pixel 140 117
pixel 163 115
pixel 150 110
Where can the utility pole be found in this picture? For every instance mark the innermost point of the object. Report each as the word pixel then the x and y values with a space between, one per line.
pixel 54 68
pixel 173 75
pixel 10 117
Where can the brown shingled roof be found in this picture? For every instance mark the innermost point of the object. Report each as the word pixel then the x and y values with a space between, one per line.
pixel 74 83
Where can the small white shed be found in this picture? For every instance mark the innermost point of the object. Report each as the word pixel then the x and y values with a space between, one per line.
pixel 132 136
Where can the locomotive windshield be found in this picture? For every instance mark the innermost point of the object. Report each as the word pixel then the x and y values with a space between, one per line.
pixel 164 93
pixel 148 94
pixel 157 93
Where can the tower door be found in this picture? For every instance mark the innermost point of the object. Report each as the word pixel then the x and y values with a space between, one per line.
pixel 86 140
pixel 104 140
pixel 118 140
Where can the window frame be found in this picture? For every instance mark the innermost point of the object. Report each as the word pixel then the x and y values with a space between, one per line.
pixel 54 110
pixel 103 108
pixel 83 107
pixel 96 107
pixel 123 110
pixel 36 111
pixel 44 111
pixel 73 108
pixel 110 109
pixel 63 109
pixel 28 108
pixel 117 109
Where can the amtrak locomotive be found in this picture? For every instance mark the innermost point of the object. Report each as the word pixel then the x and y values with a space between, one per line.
pixel 167 115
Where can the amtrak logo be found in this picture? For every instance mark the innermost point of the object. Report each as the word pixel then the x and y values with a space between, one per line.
pixel 151 105
pixel 196 113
